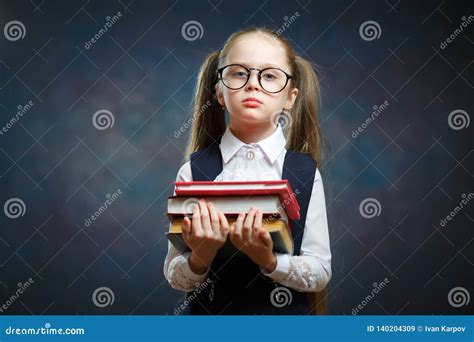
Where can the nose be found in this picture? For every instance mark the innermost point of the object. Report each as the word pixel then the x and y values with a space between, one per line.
pixel 252 83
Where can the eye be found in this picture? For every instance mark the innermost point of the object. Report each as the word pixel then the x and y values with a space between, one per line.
pixel 268 76
pixel 239 74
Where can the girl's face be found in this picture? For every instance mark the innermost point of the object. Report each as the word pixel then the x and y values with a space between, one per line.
pixel 256 51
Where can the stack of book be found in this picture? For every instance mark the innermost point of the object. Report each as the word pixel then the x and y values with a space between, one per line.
pixel 274 198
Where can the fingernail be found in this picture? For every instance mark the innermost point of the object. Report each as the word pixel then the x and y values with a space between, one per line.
pixel 210 204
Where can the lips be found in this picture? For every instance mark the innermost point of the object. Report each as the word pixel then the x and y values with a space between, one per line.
pixel 252 99
pixel 251 102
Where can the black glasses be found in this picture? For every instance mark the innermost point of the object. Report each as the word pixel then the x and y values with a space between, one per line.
pixel 236 76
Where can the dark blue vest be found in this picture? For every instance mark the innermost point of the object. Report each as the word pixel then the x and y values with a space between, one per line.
pixel 236 285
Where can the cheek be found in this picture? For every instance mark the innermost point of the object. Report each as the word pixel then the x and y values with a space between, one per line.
pixel 231 99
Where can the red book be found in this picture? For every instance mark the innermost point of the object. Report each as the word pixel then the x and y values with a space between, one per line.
pixel 282 188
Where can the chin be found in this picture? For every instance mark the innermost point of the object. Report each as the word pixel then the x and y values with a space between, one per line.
pixel 251 116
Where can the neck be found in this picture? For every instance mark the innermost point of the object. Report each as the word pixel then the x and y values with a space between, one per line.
pixel 252 134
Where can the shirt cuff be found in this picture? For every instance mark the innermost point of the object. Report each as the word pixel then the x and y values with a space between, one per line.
pixel 282 268
pixel 197 278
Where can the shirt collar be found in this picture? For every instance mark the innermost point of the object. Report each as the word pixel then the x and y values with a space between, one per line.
pixel 271 146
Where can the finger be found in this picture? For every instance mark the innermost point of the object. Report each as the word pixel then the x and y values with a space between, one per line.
pixel 214 218
pixel 196 222
pixel 224 225
pixel 232 232
pixel 186 227
pixel 266 238
pixel 248 225
pixel 238 226
pixel 257 224
pixel 205 220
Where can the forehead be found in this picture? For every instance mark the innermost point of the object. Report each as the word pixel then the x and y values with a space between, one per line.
pixel 258 51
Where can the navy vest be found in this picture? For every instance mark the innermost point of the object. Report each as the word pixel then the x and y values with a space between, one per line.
pixel 236 285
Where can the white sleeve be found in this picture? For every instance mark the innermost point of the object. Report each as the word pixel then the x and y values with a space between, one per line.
pixel 176 268
pixel 311 270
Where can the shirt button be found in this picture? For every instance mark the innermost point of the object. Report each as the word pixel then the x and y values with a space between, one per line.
pixel 250 155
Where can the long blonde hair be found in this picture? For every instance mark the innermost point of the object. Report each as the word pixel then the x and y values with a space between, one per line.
pixel 302 135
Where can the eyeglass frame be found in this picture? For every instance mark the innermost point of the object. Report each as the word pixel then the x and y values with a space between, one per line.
pixel 259 77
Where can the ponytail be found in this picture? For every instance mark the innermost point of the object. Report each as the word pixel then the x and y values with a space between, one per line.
pixel 208 116
pixel 304 134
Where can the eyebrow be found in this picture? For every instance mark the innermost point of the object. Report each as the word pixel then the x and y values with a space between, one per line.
pixel 266 65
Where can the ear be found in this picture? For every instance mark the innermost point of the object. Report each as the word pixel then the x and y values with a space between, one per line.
pixel 291 98
pixel 219 95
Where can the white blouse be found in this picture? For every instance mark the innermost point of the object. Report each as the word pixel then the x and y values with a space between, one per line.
pixel 311 270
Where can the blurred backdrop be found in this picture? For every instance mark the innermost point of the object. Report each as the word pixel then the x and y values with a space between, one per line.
pixel 93 93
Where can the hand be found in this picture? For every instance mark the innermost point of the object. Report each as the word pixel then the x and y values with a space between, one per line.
pixel 205 235
pixel 249 236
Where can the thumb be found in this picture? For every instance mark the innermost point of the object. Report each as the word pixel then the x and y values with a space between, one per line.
pixel 224 224
pixel 232 228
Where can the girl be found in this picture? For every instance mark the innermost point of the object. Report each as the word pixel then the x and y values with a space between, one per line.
pixel 257 78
